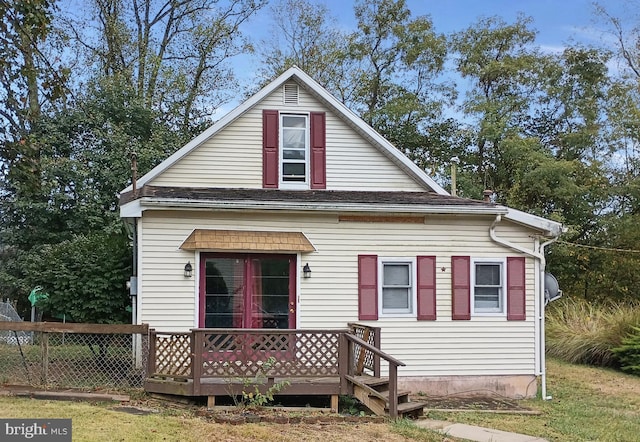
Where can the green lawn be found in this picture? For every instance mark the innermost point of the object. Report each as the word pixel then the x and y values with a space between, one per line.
pixel 589 404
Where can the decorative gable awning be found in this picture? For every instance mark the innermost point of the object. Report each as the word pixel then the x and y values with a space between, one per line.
pixel 247 241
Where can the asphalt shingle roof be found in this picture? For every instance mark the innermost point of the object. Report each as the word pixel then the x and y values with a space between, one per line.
pixel 301 196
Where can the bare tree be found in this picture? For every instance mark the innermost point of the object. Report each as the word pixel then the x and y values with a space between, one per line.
pixel 625 33
pixel 174 53
pixel 32 81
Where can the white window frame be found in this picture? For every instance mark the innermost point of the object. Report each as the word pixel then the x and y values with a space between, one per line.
pixel 413 299
pixel 502 310
pixel 307 151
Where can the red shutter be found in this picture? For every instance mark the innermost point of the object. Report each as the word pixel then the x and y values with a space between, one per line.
pixel 460 287
pixel 270 149
pixel 318 151
pixel 426 288
pixel 367 287
pixel 516 289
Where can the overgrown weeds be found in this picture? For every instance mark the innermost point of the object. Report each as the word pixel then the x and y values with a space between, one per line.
pixel 256 392
pixel 580 332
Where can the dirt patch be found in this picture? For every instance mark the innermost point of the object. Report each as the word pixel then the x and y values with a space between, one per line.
pixel 475 403
pixel 68 394
pixel 138 411
pixel 285 417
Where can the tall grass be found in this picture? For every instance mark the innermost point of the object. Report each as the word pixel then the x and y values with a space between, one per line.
pixel 580 332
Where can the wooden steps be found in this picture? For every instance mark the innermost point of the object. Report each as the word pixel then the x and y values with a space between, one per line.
pixel 373 393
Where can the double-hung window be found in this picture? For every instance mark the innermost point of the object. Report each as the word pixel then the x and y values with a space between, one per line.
pixel 397 287
pixel 488 285
pixel 294 150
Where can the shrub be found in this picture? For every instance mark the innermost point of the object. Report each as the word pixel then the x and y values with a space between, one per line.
pixel 580 332
pixel 629 352
pixel 252 396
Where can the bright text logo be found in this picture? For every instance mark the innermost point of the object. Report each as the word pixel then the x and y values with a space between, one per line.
pixel 54 430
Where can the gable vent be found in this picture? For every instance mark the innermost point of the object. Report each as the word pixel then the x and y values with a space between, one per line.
pixel 291 93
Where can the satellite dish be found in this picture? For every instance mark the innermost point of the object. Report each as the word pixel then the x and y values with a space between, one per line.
pixel 551 288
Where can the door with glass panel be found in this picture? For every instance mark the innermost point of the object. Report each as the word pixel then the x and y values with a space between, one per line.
pixel 247 291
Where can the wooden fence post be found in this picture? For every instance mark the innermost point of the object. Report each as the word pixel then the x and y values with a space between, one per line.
pixel 343 362
pixel 393 390
pixel 196 359
pixel 151 356
pixel 45 358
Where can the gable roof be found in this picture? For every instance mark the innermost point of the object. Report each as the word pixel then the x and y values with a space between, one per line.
pixel 309 84
pixel 444 204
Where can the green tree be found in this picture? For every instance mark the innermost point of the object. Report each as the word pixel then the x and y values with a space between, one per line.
pixel 538 139
pixel 86 160
pixel 399 58
pixel 84 277
pixel 505 68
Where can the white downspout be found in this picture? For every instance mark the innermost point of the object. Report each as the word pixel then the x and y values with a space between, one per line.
pixel 539 254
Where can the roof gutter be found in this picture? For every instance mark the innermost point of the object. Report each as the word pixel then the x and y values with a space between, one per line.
pixel 539 305
pixel 166 203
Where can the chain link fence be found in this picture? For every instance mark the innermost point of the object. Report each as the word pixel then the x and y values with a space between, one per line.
pixel 51 355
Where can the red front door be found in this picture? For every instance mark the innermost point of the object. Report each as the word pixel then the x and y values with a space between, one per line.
pixel 247 291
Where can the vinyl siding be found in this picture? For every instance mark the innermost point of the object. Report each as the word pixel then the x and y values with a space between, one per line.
pixel 482 345
pixel 233 156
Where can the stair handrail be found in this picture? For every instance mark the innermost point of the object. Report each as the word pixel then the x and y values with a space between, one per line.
pixel 393 369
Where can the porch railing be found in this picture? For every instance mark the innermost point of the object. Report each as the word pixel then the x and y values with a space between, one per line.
pixel 241 353
pixel 365 360
pixel 170 354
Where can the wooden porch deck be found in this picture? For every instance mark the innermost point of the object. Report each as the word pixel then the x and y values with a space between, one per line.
pixel 222 362
pixel 298 386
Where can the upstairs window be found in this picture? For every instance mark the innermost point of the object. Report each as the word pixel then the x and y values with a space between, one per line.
pixel 294 150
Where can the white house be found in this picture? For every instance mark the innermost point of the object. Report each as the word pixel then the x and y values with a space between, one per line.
pixel 292 179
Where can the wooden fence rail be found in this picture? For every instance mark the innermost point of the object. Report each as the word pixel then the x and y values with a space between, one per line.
pixel 70 327
pixel 71 355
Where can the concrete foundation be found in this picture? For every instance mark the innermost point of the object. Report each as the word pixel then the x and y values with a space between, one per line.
pixel 509 386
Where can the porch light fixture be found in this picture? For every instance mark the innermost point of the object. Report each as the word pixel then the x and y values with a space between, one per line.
pixel 188 270
pixel 306 271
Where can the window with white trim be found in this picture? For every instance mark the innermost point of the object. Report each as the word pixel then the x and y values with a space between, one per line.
pixel 294 150
pixel 397 287
pixel 488 285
